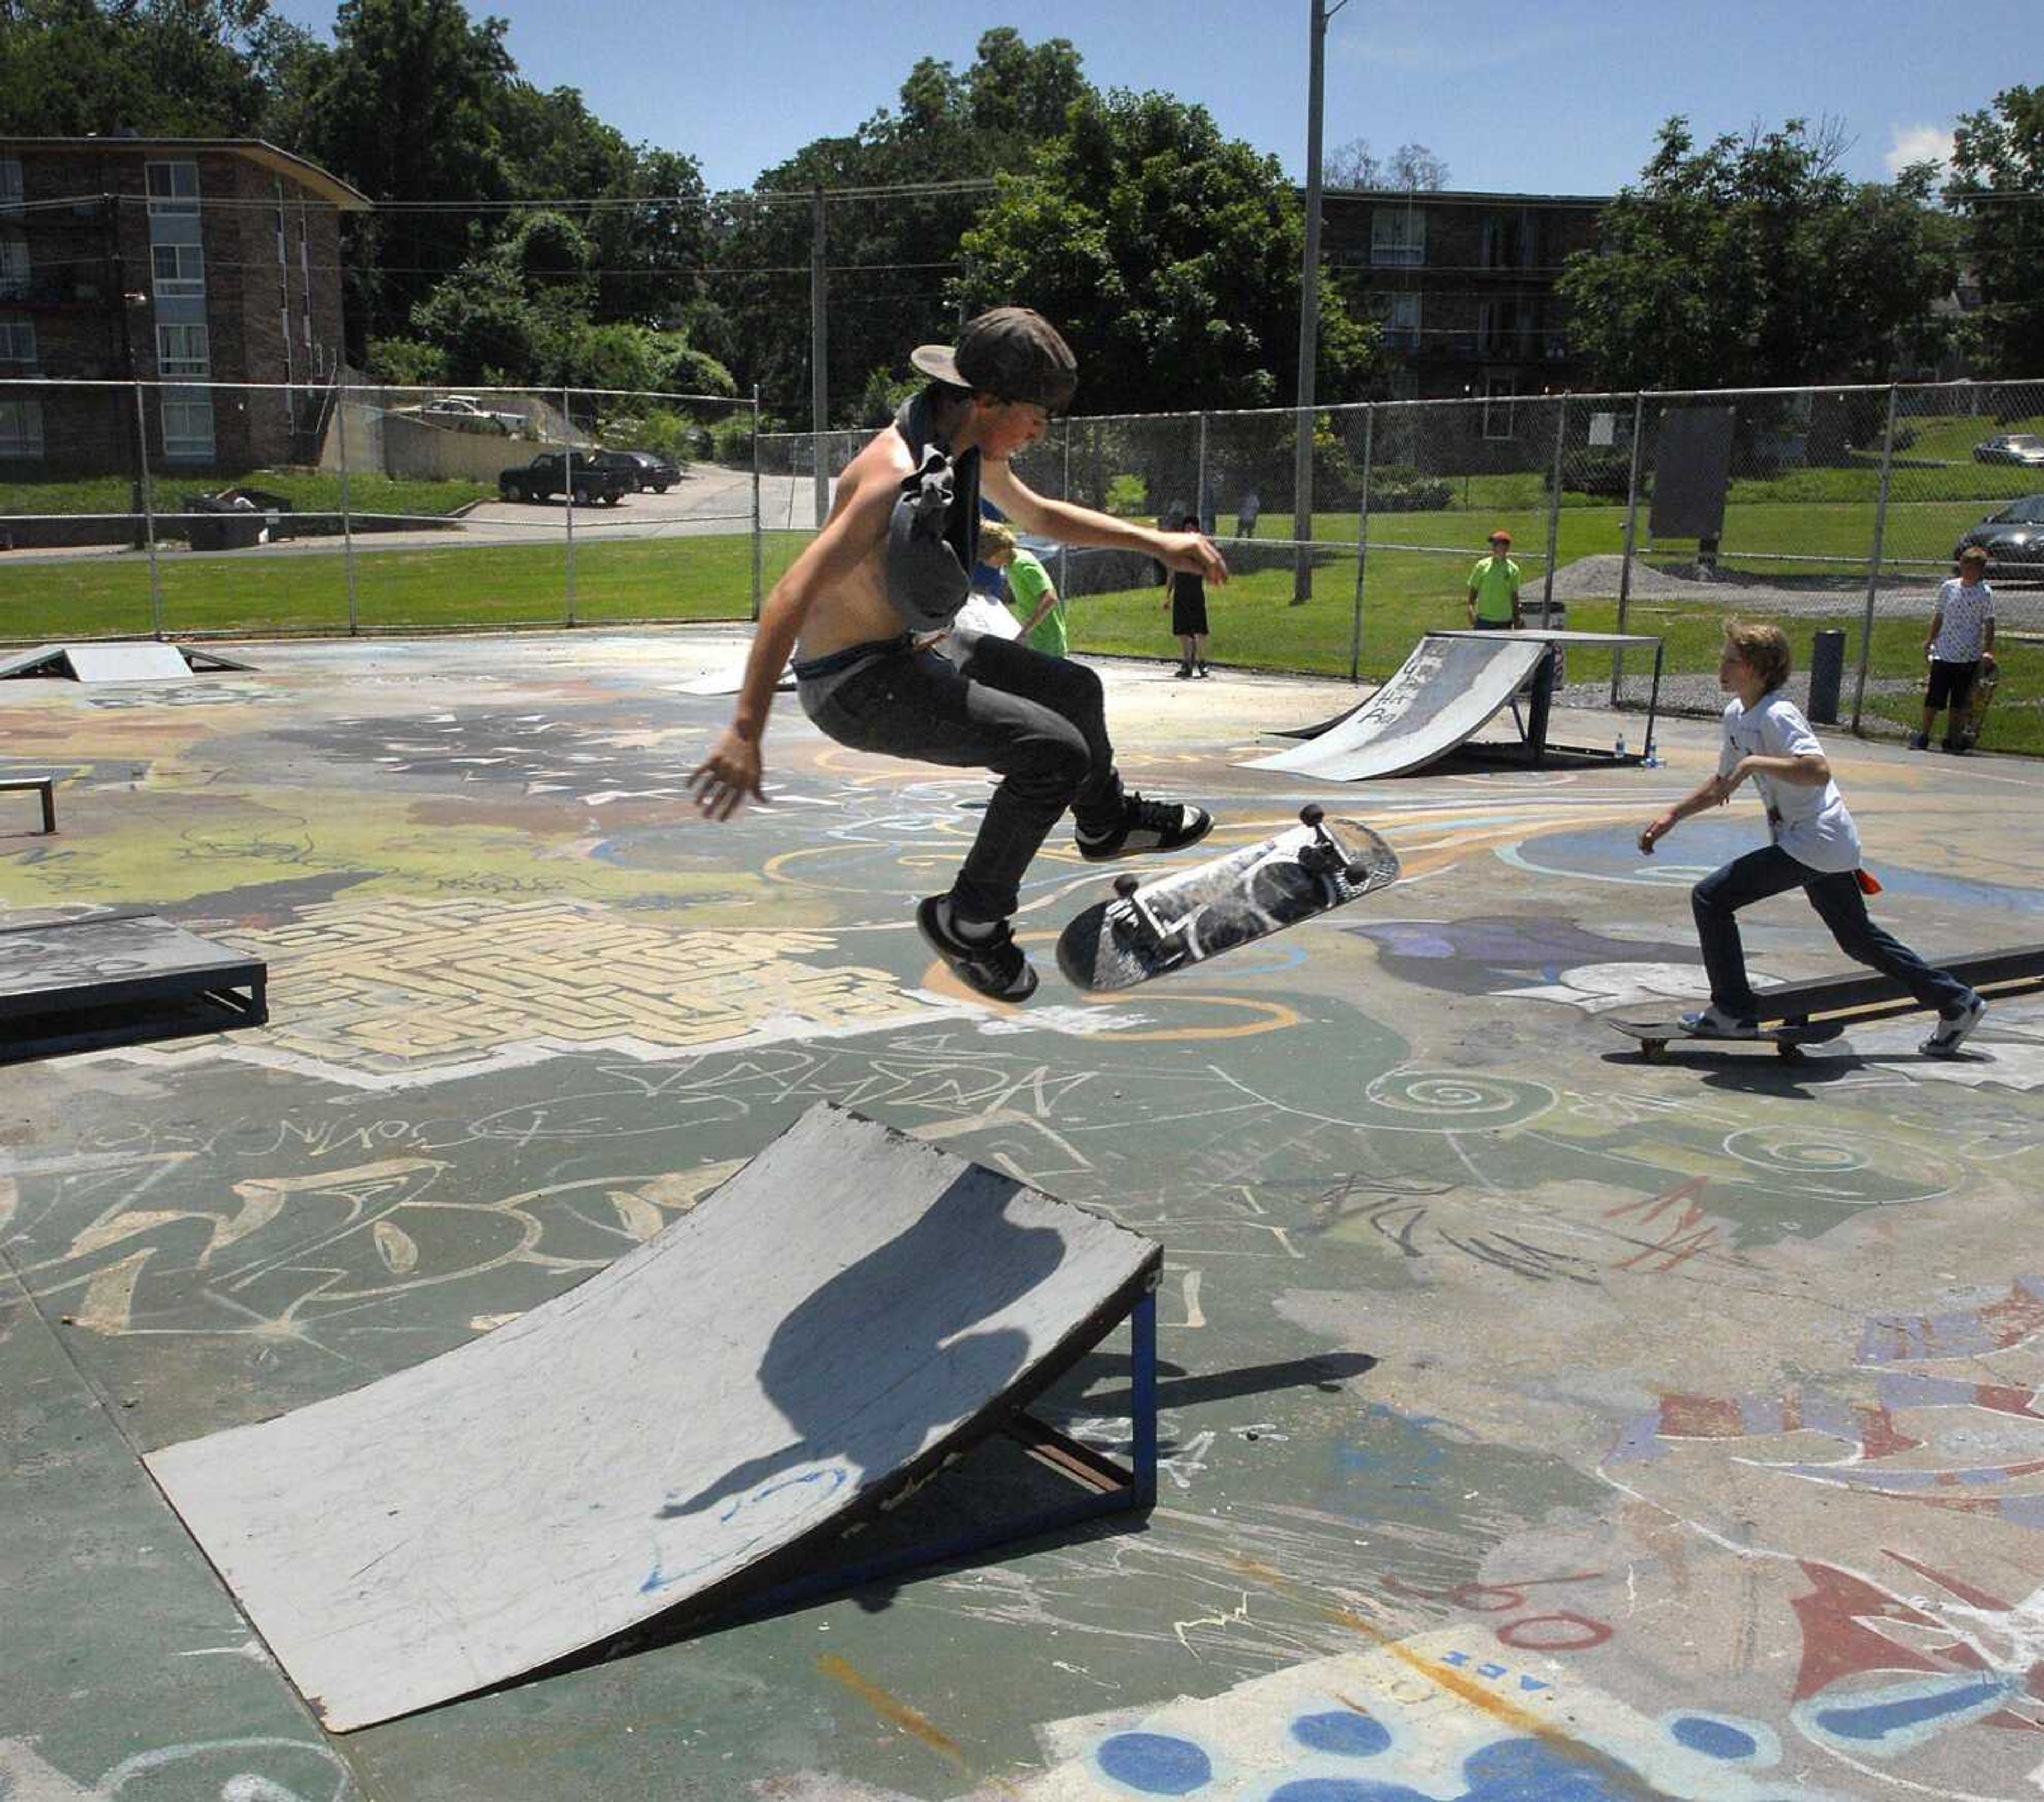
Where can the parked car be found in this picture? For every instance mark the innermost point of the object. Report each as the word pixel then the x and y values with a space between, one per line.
pixel 550 474
pixel 645 469
pixel 2013 538
pixel 2024 447
pixel 466 414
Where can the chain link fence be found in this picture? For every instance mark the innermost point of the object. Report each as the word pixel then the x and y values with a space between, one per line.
pixel 1833 511
pixel 200 508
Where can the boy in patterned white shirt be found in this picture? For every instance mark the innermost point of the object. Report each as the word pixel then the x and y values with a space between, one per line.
pixel 1961 639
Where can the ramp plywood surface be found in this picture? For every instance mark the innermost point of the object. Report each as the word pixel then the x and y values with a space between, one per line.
pixel 127 663
pixel 801 1348
pixel 1442 694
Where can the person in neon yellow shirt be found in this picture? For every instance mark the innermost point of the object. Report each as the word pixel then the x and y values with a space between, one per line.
pixel 1030 593
pixel 1493 587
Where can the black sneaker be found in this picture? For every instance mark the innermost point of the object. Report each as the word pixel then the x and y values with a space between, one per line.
pixel 994 965
pixel 1148 826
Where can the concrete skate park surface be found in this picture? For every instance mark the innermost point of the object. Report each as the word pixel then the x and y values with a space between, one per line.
pixel 1536 1421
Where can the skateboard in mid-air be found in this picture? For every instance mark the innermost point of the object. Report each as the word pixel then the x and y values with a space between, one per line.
pixel 1184 918
pixel 1787 1036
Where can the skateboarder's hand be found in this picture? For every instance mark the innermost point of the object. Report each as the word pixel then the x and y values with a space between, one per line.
pixel 1192 553
pixel 1654 831
pixel 731 774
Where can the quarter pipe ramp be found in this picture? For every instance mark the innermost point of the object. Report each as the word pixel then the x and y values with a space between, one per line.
pixel 706 1416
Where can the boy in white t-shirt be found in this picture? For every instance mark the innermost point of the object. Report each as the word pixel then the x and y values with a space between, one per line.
pixel 1961 640
pixel 1815 847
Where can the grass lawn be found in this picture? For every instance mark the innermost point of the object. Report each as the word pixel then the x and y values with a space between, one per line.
pixel 482 585
pixel 310 491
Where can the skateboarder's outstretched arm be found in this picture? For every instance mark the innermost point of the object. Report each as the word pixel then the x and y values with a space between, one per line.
pixel 1191 552
pixel 1803 769
pixel 854 534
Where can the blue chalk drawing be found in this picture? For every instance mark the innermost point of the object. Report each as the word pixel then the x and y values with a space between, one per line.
pixel 1713 1738
pixel 1515 1767
pixel 1155 1764
pixel 1341 1730
pixel 1882 1722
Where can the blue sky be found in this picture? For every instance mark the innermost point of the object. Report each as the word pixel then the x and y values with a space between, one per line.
pixel 1555 96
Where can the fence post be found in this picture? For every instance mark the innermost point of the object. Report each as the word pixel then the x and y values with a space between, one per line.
pixel 346 520
pixel 1361 541
pixel 1065 493
pixel 757 545
pixel 567 467
pixel 148 514
pixel 1632 527
pixel 1200 478
pixel 1873 563
pixel 1555 511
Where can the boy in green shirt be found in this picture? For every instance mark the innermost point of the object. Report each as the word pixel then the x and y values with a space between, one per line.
pixel 1493 587
pixel 1030 593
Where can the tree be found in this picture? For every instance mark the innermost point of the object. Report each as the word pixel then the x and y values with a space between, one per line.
pixel 173 68
pixel 1755 263
pixel 1998 187
pixel 1411 167
pixel 888 253
pixel 1169 256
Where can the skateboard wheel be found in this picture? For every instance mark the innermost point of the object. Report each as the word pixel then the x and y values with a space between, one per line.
pixel 1312 814
pixel 1125 885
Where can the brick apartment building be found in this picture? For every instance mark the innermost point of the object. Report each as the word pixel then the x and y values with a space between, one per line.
pixel 1463 286
pixel 209 259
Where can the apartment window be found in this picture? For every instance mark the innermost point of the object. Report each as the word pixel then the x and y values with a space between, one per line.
pixel 180 269
pixel 173 187
pixel 18 340
pixel 188 428
pixel 1498 393
pixel 182 350
pixel 21 428
pixel 1508 240
pixel 10 184
pixel 1399 316
pixel 1397 237
pixel 13 269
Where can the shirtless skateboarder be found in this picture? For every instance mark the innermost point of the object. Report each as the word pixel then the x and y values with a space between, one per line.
pixel 864 605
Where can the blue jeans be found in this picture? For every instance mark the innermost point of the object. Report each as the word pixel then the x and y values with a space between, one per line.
pixel 1039 722
pixel 1835 894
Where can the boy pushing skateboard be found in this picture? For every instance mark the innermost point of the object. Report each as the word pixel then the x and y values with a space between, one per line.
pixel 1814 846
pixel 864 605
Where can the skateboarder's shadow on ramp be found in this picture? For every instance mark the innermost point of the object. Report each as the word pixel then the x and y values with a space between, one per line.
pixel 867 1365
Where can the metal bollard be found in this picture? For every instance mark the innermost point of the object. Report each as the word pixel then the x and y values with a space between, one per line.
pixel 1827 669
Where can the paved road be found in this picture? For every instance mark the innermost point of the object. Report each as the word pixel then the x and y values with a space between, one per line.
pixel 708 500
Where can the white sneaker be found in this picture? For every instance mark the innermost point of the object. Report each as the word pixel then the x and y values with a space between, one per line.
pixel 1952 1030
pixel 1712 1022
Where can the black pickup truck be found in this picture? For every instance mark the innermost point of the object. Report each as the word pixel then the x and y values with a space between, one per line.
pixel 551 474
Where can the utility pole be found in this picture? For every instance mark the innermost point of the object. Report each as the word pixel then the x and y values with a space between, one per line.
pixel 818 359
pixel 1309 307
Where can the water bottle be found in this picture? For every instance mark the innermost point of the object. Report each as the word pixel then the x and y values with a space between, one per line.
pixel 1618 750
pixel 1653 761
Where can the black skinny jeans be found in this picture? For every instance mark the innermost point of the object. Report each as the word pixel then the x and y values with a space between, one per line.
pixel 1835 894
pixel 1039 722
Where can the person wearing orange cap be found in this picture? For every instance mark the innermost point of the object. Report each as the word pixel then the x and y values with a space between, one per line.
pixel 866 605
pixel 1493 587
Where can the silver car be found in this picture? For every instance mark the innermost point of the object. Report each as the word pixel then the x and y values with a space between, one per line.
pixel 2023 447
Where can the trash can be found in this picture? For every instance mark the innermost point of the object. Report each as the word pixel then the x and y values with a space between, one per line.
pixel 1828 668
